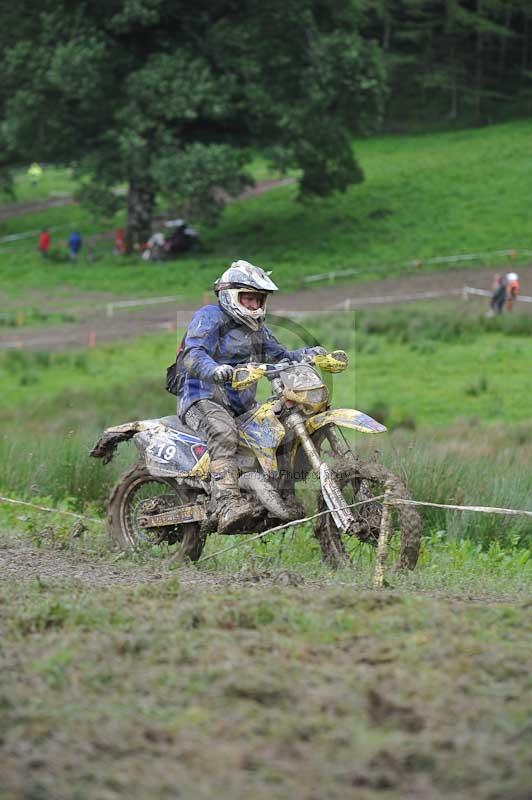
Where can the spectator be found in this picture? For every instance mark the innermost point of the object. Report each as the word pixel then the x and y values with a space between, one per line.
pixel 512 289
pixel 74 245
pixel 154 247
pixel 35 173
pixel 120 242
pixel 44 242
pixel 498 296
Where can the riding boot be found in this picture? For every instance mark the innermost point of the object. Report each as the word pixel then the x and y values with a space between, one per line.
pixel 233 510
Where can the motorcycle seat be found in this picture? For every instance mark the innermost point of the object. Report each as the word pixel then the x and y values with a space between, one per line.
pixel 175 423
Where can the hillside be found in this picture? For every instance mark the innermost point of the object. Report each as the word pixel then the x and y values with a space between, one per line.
pixel 424 196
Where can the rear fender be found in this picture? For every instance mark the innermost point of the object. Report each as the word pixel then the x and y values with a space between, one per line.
pixel 165 451
pixel 106 445
pixel 344 418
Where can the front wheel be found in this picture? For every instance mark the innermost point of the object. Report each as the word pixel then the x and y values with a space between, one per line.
pixel 359 480
pixel 132 495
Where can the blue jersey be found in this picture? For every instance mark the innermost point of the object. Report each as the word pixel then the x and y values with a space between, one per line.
pixel 213 338
pixel 74 242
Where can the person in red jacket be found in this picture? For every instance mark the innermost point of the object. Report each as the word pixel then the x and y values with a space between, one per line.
pixel 44 242
pixel 512 289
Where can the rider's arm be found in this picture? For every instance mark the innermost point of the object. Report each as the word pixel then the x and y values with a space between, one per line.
pixel 202 338
pixel 274 350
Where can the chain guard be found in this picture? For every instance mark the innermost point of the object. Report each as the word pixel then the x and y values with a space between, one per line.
pixel 162 512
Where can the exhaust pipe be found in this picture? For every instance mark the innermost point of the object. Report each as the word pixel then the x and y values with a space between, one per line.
pixel 266 494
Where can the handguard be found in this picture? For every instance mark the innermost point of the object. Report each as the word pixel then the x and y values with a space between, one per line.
pixel 336 361
pixel 244 377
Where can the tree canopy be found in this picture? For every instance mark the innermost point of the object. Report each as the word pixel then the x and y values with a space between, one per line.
pixel 447 60
pixel 170 98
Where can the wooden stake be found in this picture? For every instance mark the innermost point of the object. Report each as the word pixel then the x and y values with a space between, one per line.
pixel 384 536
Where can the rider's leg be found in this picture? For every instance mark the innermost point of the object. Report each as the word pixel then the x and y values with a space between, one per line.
pixel 220 430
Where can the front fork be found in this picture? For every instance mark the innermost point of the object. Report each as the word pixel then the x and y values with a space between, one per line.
pixel 343 518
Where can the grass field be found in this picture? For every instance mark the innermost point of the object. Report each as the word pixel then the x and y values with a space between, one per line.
pixel 458 367
pixel 260 673
pixel 130 681
pixel 424 196
pixel 454 394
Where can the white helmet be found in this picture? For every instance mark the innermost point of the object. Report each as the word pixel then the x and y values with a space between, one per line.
pixel 239 278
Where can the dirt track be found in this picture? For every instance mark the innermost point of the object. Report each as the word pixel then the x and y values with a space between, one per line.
pixel 94 325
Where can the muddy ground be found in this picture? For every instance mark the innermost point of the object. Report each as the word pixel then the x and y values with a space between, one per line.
pixel 94 324
pixel 125 680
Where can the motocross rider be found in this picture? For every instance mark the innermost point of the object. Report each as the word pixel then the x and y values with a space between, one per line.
pixel 218 338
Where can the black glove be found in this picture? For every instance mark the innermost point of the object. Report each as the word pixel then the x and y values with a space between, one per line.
pixel 223 374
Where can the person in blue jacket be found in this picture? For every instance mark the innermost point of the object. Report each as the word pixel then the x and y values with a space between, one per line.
pixel 74 245
pixel 218 338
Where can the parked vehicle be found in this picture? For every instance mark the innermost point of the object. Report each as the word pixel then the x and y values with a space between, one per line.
pixel 178 239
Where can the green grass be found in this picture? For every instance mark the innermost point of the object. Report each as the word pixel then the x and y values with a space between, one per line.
pixel 54 182
pixel 424 196
pixel 413 368
pixel 261 673
pixel 253 688
pixel 453 391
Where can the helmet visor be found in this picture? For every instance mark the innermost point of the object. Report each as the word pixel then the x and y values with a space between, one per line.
pixel 251 300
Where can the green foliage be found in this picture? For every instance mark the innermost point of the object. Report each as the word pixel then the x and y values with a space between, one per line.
pixel 453 62
pixel 191 180
pixel 163 96
pixel 437 324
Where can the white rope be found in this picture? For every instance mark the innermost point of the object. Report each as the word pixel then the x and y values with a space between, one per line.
pixel 14 237
pixel 44 508
pixel 415 263
pixel 349 302
pixel 146 301
pixel 485 293
pixel 482 509
pixel 296 522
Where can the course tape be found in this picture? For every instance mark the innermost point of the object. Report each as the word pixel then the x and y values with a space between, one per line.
pixel 415 263
pixel 485 293
pixel 482 509
pixel 45 508
pixel 395 501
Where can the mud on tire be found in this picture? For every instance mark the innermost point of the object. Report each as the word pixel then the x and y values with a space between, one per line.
pixel 124 531
pixel 368 480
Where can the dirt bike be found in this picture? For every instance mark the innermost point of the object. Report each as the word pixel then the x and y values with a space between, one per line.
pixel 291 437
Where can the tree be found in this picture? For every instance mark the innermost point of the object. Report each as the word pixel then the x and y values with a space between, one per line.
pixel 457 59
pixel 169 97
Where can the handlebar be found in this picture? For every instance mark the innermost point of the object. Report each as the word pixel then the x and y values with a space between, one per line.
pixel 335 361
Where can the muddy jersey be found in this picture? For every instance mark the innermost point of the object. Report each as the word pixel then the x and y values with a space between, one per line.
pixel 213 338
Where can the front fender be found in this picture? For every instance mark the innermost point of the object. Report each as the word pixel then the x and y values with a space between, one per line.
pixel 344 418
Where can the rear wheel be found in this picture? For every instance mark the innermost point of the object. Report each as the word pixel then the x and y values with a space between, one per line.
pixel 137 493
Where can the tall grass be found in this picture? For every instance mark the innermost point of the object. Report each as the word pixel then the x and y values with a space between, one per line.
pixel 55 405
pixel 439 475
pixel 58 467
